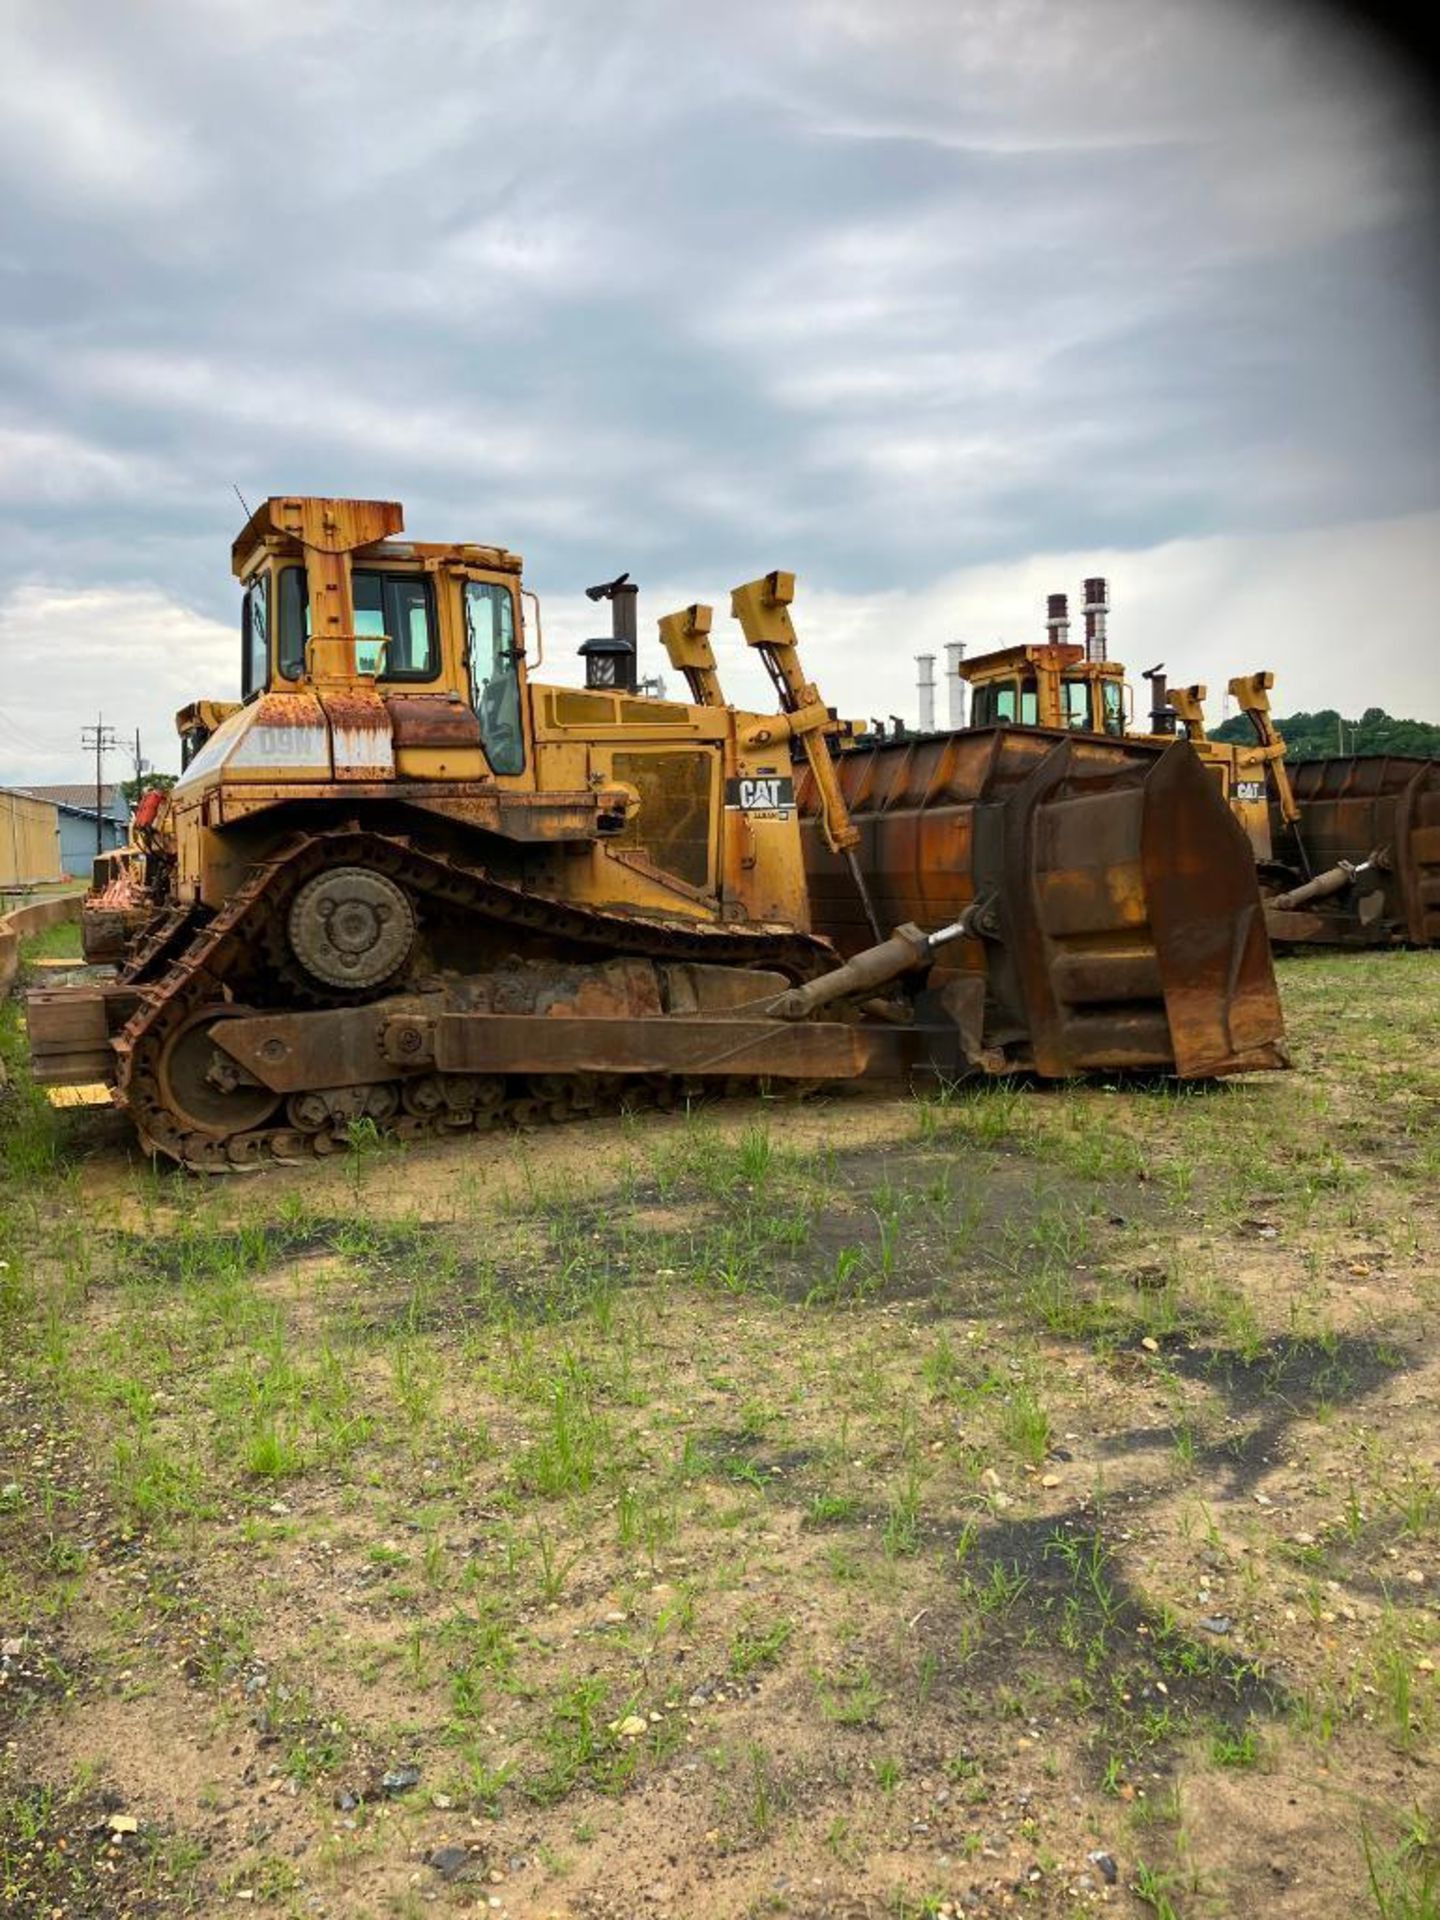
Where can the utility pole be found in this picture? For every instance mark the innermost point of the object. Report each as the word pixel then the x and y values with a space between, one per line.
pixel 100 737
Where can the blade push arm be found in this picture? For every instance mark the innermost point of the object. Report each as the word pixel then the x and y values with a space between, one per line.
pixel 763 609
pixel 1188 705
pixel 686 639
pixel 1251 693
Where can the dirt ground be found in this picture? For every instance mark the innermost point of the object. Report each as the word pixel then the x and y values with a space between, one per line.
pixel 1024 1501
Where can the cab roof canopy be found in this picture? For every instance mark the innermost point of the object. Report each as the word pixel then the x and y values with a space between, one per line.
pixel 1003 659
pixel 294 523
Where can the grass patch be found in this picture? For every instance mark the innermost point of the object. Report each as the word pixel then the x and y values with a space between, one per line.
pixel 868 1468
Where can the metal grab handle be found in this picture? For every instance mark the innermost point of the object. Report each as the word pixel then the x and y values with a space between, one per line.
pixel 352 641
pixel 528 593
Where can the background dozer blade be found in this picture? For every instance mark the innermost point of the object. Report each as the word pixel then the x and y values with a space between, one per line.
pixel 1352 807
pixel 1097 956
pixel 1207 924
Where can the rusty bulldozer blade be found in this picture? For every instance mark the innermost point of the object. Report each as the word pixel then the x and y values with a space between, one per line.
pixel 1114 914
pixel 1371 825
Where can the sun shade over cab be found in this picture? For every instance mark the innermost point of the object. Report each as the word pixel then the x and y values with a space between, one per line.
pixel 1049 686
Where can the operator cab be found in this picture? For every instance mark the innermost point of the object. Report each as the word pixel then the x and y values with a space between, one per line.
pixel 427 620
pixel 1049 686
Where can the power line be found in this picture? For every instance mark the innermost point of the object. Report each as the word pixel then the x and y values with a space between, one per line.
pixel 22 736
pixel 100 737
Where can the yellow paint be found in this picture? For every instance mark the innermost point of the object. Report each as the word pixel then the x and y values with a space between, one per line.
pixel 94 1094
pixel 1055 686
pixel 620 801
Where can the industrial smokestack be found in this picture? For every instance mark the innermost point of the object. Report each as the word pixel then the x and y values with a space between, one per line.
pixel 955 686
pixel 1057 619
pixel 926 664
pixel 1097 605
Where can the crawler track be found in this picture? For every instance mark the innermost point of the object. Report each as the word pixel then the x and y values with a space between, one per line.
pixel 187 970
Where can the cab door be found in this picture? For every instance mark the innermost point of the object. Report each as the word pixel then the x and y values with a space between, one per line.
pixel 493 661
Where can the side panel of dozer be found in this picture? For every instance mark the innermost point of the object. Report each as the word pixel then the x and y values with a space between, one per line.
pixel 1356 805
pixel 1208 925
pixel 1105 952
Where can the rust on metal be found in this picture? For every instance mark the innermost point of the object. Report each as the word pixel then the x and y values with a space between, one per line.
pixel 333 1047
pixel 1377 815
pixel 1093 957
pixel 288 712
pixel 361 746
pixel 360 1045
pixel 907 950
pixel 291 1052
pixel 535 817
pixel 432 720
pixel 204 1084
pixel 1324 886
pixel 72 1032
pixel 576 898
pixel 507 1043
pixel 1206 921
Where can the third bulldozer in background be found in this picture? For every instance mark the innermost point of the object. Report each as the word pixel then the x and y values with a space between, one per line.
pixel 1347 848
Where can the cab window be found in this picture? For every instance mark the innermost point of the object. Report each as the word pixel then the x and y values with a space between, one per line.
pixel 1029 704
pixel 394 607
pixel 394 625
pixel 294 623
pixel 255 637
pixel 1114 707
pixel 994 704
pixel 1075 703
pixel 494 674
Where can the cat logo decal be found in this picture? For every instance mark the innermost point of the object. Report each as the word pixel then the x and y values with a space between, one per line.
pixel 763 796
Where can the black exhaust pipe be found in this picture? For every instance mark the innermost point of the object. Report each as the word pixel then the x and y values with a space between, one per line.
pixel 1162 714
pixel 612 662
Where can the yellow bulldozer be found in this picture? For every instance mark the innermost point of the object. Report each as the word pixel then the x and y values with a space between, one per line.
pixel 401 882
pixel 1347 849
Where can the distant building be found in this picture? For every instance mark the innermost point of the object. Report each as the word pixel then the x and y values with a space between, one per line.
pixel 29 840
pixel 75 805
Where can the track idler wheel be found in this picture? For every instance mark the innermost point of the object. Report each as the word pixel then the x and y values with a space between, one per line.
pixel 351 927
pixel 208 1091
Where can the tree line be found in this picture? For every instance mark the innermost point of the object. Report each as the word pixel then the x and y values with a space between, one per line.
pixel 1311 736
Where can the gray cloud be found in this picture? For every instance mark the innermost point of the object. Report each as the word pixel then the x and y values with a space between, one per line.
pixel 893 295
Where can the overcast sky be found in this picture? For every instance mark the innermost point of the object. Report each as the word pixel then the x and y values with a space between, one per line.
pixel 942 304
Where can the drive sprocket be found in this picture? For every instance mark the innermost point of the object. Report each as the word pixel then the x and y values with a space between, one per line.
pixel 351 927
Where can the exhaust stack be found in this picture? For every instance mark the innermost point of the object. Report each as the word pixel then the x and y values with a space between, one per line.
pixel 926 664
pixel 1162 714
pixel 611 662
pixel 1057 618
pixel 1097 606
pixel 955 686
